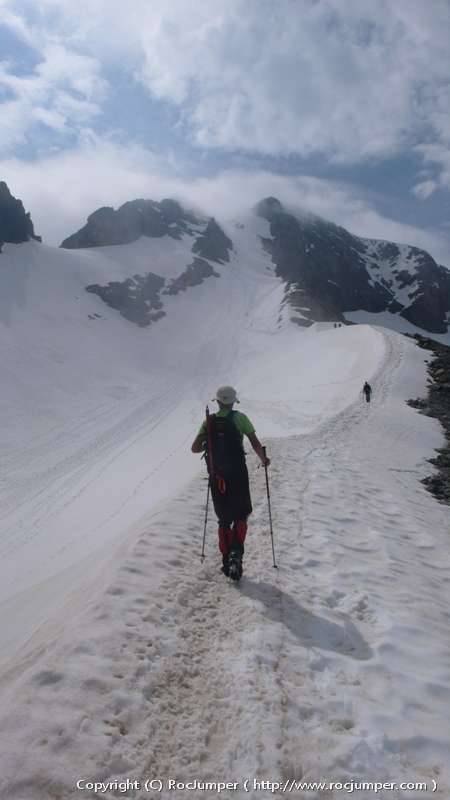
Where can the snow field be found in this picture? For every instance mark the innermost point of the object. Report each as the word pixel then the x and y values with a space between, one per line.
pixel 122 656
pixel 336 666
pixel 99 414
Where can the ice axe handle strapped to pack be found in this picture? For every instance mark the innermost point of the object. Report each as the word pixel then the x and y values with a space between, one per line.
pixel 270 511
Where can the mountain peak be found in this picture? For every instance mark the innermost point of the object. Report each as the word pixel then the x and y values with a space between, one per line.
pixel 15 223
pixel 135 218
pixel 269 207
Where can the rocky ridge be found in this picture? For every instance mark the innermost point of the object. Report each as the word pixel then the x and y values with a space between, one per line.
pixel 437 404
pixel 15 223
pixel 133 219
pixel 329 271
pixel 139 298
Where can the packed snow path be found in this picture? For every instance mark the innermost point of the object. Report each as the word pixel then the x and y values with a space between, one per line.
pixel 334 667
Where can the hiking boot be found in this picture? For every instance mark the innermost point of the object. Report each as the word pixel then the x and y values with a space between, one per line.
pixel 225 566
pixel 235 565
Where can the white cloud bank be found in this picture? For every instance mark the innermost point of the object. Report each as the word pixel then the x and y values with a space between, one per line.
pixel 61 190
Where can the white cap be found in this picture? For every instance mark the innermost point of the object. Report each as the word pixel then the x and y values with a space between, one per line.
pixel 226 395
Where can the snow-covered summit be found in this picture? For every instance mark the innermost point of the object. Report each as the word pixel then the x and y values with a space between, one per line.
pixel 327 272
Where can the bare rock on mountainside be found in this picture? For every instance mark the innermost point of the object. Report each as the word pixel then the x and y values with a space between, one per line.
pixel 437 404
pixel 108 226
pixel 327 270
pixel 331 271
pixel 213 243
pixel 193 275
pixel 15 223
pixel 137 299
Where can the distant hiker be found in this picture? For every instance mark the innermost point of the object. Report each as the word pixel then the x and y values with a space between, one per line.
pixel 367 389
pixel 221 436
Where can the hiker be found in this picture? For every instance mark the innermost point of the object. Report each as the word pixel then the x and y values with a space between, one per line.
pixel 367 390
pixel 221 436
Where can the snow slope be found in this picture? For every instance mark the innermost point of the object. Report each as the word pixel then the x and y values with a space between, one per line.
pixel 393 322
pixel 98 414
pixel 123 657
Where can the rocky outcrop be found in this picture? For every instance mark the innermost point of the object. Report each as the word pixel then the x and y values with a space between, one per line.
pixel 15 223
pixel 213 243
pixel 437 404
pixel 327 270
pixel 193 275
pixel 137 299
pixel 431 297
pixel 330 271
pixel 106 226
pixel 137 218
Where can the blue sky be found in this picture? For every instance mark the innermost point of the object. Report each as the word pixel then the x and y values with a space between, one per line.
pixel 342 108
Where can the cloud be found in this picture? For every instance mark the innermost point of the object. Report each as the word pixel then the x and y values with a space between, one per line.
pixel 352 81
pixel 439 155
pixel 15 23
pixel 347 82
pixel 425 189
pixel 63 92
pixel 61 190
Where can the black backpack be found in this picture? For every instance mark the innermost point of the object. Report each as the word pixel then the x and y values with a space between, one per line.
pixel 225 442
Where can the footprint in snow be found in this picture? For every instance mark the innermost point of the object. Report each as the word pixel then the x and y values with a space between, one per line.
pixel 312 562
pixel 47 678
pixel 334 599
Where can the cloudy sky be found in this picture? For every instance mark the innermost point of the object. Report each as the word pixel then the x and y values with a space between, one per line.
pixel 339 106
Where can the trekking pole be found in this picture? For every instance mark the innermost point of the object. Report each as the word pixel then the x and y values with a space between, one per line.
pixel 209 463
pixel 206 520
pixel 270 512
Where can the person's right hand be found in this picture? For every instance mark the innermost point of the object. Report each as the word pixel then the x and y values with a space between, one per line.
pixel 265 462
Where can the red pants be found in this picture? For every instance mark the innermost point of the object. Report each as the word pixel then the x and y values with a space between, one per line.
pixel 235 536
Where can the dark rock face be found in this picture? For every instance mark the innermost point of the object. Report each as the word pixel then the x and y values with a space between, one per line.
pixel 437 404
pixel 15 224
pixel 106 226
pixel 431 298
pixel 327 270
pixel 149 218
pixel 330 271
pixel 193 275
pixel 137 298
pixel 213 243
